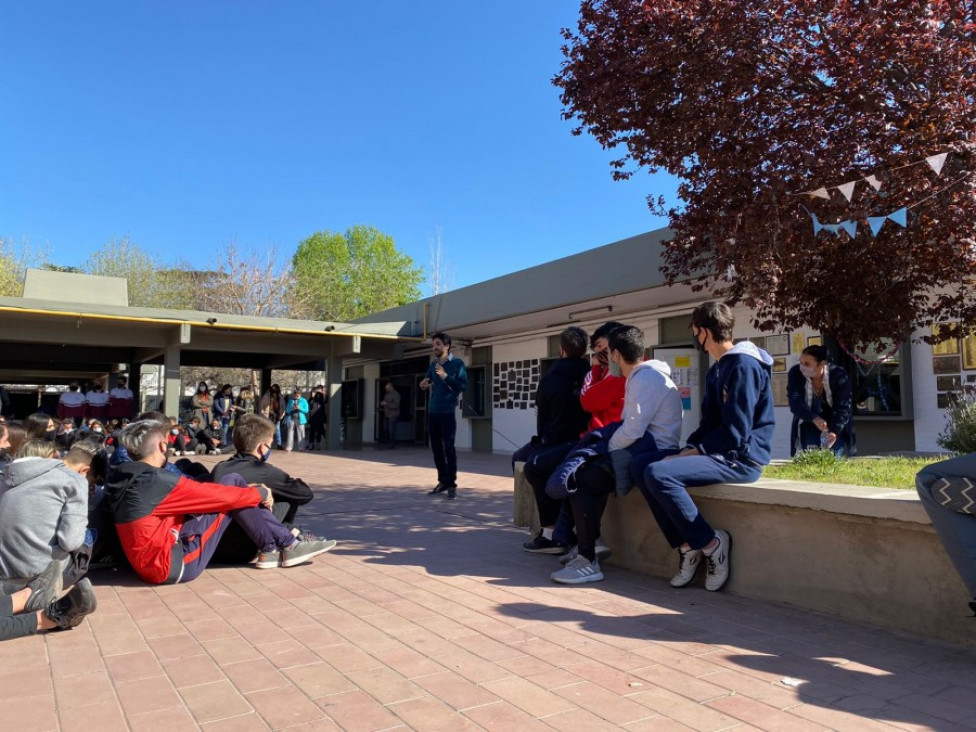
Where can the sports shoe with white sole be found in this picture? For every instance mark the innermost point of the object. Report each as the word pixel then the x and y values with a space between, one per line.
pixel 717 567
pixel 578 572
pixel 688 565
pixel 542 545
pixel 601 549
pixel 302 551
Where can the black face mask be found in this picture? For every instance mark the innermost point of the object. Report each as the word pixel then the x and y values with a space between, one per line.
pixel 50 435
pixel 699 344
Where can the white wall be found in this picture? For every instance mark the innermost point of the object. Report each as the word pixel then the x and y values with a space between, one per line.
pixel 512 428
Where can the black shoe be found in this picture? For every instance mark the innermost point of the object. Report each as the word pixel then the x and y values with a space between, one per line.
pixel 70 610
pixel 451 494
pixel 542 545
pixel 439 488
pixel 972 606
pixel 45 587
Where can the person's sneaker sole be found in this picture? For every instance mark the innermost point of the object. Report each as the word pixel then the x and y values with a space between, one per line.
pixel 558 549
pixel 575 579
pixel 726 548
pixel 294 561
pixel 45 587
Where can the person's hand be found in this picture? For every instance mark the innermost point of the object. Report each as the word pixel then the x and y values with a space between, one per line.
pixel 425 384
pixel 268 499
pixel 821 424
pixel 441 373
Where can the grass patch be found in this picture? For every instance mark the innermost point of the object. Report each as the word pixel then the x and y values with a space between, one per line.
pixel 822 466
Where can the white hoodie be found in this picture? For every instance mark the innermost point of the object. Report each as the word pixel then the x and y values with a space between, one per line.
pixel 651 404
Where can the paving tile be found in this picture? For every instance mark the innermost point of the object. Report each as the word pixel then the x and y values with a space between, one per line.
pixel 83 690
pixel 254 675
pixel 427 713
pixel 502 715
pixel 385 685
pixel 284 707
pixel 133 666
pixel 528 697
pixel 455 690
pixel 180 645
pixel 245 723
pixel 319 679
pixel 193 670
pixel 762 715
pixel 287 654
pixel 167 720
pixel 606 704
pixel 218 700
pixel 29 714
pixel 79 719
pixel 147 695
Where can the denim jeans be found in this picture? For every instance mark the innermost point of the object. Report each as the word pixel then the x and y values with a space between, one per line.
pixel 957 531
pixel 664 485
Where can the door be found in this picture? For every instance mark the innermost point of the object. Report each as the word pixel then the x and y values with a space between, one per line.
pixel 686 373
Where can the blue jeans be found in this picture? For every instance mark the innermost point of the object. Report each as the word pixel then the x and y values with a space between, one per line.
pixel 441 428
pixel 664 487
pixel 957 531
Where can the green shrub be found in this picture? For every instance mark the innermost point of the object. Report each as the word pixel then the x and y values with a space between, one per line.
pixel 959 435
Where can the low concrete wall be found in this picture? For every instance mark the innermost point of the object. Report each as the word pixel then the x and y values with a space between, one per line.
pixel 868 554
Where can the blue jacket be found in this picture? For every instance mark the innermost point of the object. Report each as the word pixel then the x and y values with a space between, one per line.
pixel 839 417
pixel 444 393
pixel 737 419
pixel 299 405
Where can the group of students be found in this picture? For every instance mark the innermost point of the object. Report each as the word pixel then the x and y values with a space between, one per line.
pixel 62 510
pixel 80 406
pixel 615 423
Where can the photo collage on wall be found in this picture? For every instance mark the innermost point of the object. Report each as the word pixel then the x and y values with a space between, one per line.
pixel 514 384
pixel 950 360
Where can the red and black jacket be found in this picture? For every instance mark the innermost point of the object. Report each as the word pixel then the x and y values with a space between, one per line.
pixel 150 505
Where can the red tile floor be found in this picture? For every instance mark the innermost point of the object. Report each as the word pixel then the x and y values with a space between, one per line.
pixel 429 616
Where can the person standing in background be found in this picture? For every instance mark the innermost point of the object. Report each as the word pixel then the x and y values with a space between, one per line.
pixel 446 380
pixel 391 412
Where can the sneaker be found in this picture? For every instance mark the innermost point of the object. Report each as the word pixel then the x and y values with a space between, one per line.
pixel 439 488
pixel 688 564
pixel 302 551
pixel 268 560
pixel 717 565
pixel 602 550
pixel 570 555
pixel 70 610
pixel 452 494
pixel 45 587
pixel 578 571
pixel 542 545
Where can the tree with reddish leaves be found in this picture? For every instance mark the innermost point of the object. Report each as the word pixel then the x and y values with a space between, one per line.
pixel 751 102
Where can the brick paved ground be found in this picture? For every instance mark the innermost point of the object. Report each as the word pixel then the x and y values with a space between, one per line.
pixel 429 616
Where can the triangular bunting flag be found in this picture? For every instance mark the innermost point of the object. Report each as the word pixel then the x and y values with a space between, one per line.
pixel 850 227
pixel 847 189
pixel 873 182
pixel 876 222
pixel 730 273
pixel 819 193
pixel 817 226
pixel 899 216
pixel 832 228
pixel 936 162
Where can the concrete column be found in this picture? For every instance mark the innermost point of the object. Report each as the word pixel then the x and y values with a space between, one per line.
pixel 135 376
pixel 172 385
pixel 333 387
pixel 265 381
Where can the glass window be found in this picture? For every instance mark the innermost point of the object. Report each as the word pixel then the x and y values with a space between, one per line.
pixel 877 377
pixel 474 403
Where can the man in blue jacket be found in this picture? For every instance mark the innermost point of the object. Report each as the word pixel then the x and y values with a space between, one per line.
pixel 731 445
pixel 447 381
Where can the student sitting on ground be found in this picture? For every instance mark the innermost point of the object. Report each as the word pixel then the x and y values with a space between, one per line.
pixel 253 438
pixel 170 525
pixel 35 609
pixel 43 509
pixel 209 439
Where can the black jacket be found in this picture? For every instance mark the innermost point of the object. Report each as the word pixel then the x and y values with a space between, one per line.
pixel 283 487
pixel 557 400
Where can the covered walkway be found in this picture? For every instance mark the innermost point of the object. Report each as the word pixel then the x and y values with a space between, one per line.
pixel 429 616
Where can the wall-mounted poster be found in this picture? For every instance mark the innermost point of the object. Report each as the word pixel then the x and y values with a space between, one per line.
pixel 942 401
pixel 815 341
pixel 945 364
pixel 778 345
pixel 946 348
pixel 780 398
pixel 798 339
pixel 948 383
pixel 969 352
pixel 758 341
pixel 779 365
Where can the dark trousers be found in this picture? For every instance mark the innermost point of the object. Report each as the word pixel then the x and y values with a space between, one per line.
pixel 201 534
pixel 441 428
pixel 538 468
pixel 391 429
pixel 594 484
pixel 15 626
pixel 664 485
pixel 316 431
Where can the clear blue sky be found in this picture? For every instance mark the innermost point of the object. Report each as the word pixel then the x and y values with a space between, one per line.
pixel 185 125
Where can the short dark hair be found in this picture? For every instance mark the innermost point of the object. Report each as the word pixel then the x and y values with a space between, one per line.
pixel 442 337
pixel 136 437
pixel 573 342
pixel 818 352
pixel 628 341
pixel 158 416
pixel 250 431
pixel 604 331
pixel 716 318
pixel 83 452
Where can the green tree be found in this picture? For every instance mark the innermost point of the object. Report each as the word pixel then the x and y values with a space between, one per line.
pixel 150 284
pixel 14 264
pixel 343 276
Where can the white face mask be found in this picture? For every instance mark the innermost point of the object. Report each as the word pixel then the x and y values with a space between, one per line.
pixel 809 371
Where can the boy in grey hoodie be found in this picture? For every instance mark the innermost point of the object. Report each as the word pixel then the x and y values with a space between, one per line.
pixel 43 509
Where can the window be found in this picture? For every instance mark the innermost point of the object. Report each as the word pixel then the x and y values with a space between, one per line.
pixel 474 402
pixel 878 378
pixel 674 330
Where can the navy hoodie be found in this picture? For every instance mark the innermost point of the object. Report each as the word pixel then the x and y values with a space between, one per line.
pixel 737 419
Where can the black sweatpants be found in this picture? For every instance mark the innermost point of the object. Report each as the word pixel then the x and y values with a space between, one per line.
pixel 539 467
pixel 594 483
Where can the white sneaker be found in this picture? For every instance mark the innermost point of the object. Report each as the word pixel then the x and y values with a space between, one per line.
pixel 688 563
pixel 717 565
pixel 578 571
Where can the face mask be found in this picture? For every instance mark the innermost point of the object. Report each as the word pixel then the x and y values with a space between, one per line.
pixel 174 432
pixel 97 429
pixel 614 368
pixel 50 435
pixel 201 389
pixel 699 344
pixel 265 456
pixel 809 371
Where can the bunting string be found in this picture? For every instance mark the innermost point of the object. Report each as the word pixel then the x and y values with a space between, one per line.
pixel 935 162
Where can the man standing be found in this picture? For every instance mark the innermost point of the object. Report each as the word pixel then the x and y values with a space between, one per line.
pixel 560 420
pixel 651 423
pixel 391 412
pixel 447 381
pixel 731 445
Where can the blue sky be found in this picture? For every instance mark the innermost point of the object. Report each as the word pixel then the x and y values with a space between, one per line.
pixel 187 125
